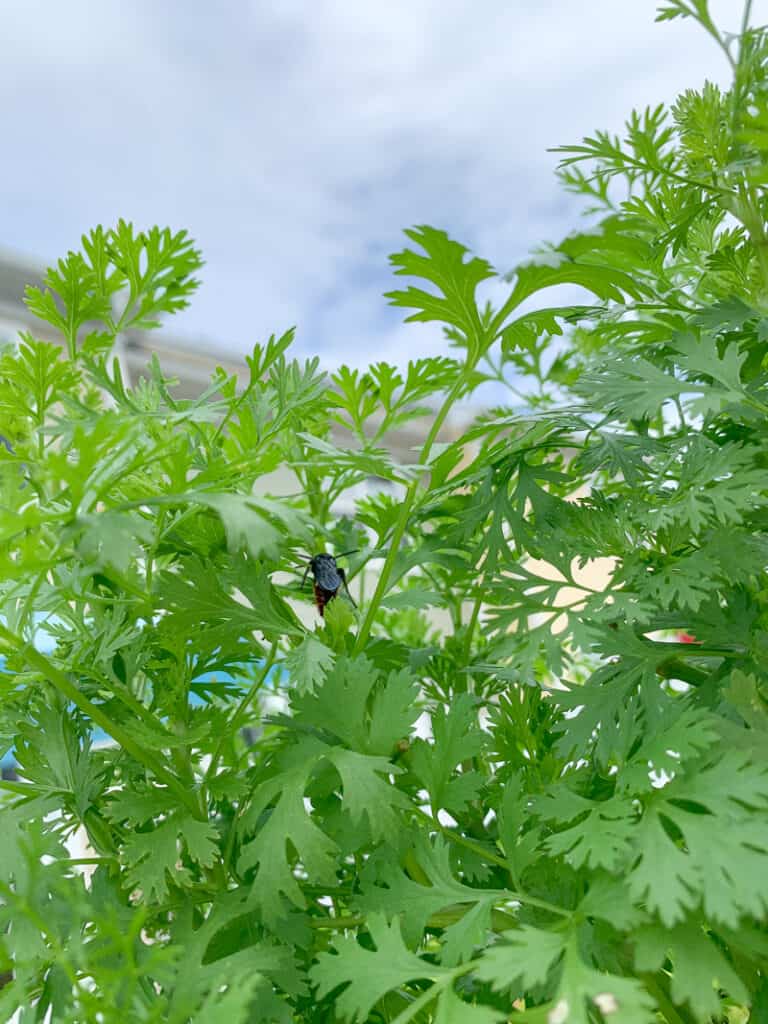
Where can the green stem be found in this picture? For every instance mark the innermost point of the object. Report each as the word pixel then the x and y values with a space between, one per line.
pixel 68 690
pixel 405 514
pixel 492 858
pixel 423 1000
pixel 471 626
pixel 87 860
pixel 240 711
pixel 226 858
pixel 673 668
pixel 442 919
pixel 432 992
pixel 668 1009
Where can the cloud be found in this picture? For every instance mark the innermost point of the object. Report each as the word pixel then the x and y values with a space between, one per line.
pixel 296 140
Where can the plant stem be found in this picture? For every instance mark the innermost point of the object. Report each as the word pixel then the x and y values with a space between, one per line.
pixel 87 860
pixel 674 668
pixel 423 1000
pixel 405 513
pixel 432 993
pixel 492 858
pixel 668 1009
pixel 241 709
pixel 472 625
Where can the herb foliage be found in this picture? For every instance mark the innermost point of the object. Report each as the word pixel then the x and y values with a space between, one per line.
pixel 582 833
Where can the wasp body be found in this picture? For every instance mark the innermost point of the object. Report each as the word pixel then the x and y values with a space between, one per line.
pixel 328 579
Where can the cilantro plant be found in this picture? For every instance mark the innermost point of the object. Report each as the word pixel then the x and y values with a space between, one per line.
pixel 577 831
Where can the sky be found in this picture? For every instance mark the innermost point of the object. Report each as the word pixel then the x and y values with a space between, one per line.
pixel 295 140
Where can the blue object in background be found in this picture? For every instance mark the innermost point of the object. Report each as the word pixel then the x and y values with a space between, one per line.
pixel 46 643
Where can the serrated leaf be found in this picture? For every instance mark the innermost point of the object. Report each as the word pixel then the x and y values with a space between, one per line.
pixel 246 527
pixel 744 694
pixel 368 974
pixel 470 932
pixel 394 710
pixel 443 264
pixel 234 1003
pixel 288 821
pixel 152 860
pixel 728 314
pixel 137 806
pixel 112 539
pixel 366 794
pixel 451 1009
pixel 308 663
pixel 720 876
pixel 457 738
pixel 631 387
pixel 396 893
pixel 583 989
pixel 524 959
pixel 699 969
pixel 340 704
pixel 697 357
pixel 201 839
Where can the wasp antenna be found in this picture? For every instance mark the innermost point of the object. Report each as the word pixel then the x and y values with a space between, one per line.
pixel 345 553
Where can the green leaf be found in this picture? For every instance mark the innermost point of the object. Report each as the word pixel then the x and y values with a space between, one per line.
pixel 340 704
pixel 201 840
pixel 630 387
pixel 699 969
pixel 35 377
pixel 727 314
pixel 394 710
pixel 354 703
pixel 457 738
pixel 247 528
pixel 582 988
pixel 366 794
pixel 523 960
pixel 412 598
pixel 113 539
pixel 469 933
pixel 137 805
pixel 338 621
pixel 396 893
pixel 722 876
pixel 443 265
pixel 368 974
pixel 288 821
pixel 744 694
pixel 360 464
pixel 234 1003
pixel 703 357
pixel 557 267
pixel 151 859
pixel 603 840
pixel 451 1009
pixel 195 597
pixel 308 663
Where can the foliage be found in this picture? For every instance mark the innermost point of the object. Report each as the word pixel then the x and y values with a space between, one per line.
pixel 554 809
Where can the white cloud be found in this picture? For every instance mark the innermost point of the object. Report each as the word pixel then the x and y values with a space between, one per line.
pixel 296 140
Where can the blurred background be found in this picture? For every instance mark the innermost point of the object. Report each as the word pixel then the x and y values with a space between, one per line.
pixel 295 140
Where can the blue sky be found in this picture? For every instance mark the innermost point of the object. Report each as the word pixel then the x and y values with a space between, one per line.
pixel 295 140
